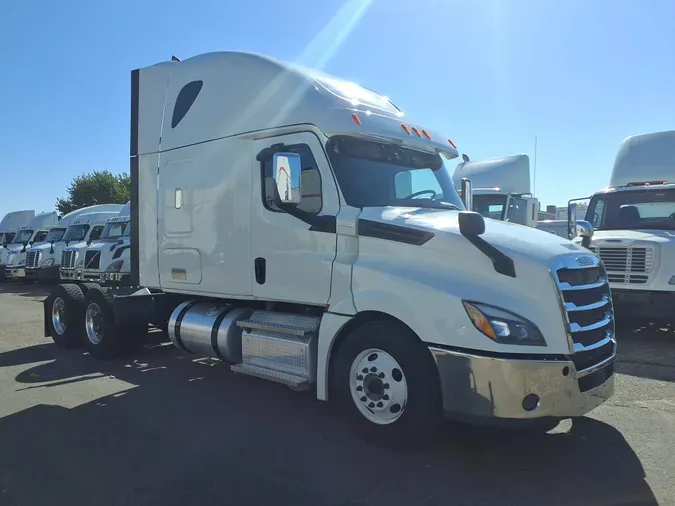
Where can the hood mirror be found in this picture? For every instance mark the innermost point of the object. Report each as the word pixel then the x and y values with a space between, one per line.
pixel 585 230
pixel 471 223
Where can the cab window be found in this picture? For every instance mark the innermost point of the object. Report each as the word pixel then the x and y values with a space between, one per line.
pixel 95 233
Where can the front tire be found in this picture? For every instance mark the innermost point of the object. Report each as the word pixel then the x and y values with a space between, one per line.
pixel 387 382
pixel 105 339
pixel 66 315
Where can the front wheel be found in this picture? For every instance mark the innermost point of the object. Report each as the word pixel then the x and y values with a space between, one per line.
pixel 65 315
pixel 387 381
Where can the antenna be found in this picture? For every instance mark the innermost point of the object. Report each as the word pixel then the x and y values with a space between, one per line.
pixel 534 169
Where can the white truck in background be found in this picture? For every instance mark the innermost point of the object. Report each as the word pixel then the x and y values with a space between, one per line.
pixel 11 222
pixel 560 226
pixel 33 233
pixel 43 262
pixel 399 307
pixel 635 222
pixel 116 262
pixel 80 261
pixel 501 188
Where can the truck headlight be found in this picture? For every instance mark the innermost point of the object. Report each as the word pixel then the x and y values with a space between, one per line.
pixel 116 266
pixel 47 262
pixel 503 326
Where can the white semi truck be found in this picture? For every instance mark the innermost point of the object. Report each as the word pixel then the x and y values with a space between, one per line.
pixel 116 262
pixel 80 261
pixel 43 262
pixel 33 233
pixel 400 307
pixel 501 188
pixel 635 222
pixel 11 222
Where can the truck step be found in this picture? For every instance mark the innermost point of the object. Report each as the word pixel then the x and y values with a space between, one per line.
pixel 283 323
pixel 295 382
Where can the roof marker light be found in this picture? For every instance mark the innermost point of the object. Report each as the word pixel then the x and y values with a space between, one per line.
pixel 405 128
pixel 426 134
pixel 356 119
pixel 452 143
pixel 417 132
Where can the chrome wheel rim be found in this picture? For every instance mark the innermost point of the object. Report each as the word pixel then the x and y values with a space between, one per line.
pixel 59 316
pixel 94 323
pixel 378 386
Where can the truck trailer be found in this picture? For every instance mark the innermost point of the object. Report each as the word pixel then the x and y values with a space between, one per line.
pixel 269 229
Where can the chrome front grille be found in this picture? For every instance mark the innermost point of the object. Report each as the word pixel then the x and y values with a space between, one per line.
pixel 68 259
pixel 628 265
pixel 586 302
pixel 33 259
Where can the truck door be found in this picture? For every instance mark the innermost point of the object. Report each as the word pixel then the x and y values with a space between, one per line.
pixel 291 259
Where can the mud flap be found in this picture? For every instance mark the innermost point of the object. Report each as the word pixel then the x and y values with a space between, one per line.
pixel 46 316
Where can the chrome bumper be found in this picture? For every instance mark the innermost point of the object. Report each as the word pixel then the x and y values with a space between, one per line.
pixel 14 272
pixel 480 386
pixel 79 275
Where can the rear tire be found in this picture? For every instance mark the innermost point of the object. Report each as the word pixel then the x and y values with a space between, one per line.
pixel 386 381
pixel 66 307
pixel 104 339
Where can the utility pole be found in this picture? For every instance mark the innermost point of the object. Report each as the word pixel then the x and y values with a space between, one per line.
pixel 534 169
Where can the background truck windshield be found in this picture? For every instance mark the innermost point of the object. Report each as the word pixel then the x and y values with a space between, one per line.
pixel 76 233
pixel 633 210
pixel 22 236
pixel 55 234
pixel 114 230
pixel 490 206
pixel 375 174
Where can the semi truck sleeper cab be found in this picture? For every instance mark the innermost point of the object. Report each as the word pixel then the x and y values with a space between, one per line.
pixel 304 230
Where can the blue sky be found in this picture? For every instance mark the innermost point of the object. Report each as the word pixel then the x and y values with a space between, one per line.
pixel 581 75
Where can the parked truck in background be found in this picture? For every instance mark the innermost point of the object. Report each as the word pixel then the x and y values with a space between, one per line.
pixel 501 188
pixel 11 222
pixel 398 307
pixel 635 223
pixel 33 233
pixel 80 261
pixel 116 262
pixel 43 262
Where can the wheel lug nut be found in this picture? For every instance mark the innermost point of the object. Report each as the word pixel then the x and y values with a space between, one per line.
pixel 359 377
pixel 381 375
pixel 379 404
pixel 373 369
pixel 385 397
pixel 364 398
pixel 359 388
pixel 365 370
pixel 371 405
pixel 386 385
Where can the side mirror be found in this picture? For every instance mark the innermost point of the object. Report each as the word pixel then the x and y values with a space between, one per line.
pixel 471 223
pixel 585 230
pixel 571 221
pixel 24 247
pixel 467 195
pixel 31 243
pixel 287 178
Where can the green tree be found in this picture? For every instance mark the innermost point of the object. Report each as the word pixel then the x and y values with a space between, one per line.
pixel 99 187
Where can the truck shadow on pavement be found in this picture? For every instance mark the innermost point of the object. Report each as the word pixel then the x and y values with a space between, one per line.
pixel 173 429
pixel 25 289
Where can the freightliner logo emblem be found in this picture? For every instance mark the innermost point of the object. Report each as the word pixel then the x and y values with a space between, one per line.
pixel 583 261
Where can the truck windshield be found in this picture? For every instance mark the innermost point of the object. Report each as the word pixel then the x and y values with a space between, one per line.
pixel 127 230
pixel 378 174
pixel 633 210
pixel 114 230
pixel 55 234
pixel 490 205
pixel 40 236
pixel 7 237
pixel 22 236
pixel 76 233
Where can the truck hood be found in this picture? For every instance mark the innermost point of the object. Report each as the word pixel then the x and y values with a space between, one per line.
pixel 511 239
pixel 627 237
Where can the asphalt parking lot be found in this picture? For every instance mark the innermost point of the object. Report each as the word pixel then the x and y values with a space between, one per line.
pixel 165 428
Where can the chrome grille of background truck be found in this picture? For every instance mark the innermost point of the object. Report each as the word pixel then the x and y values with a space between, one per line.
pixel 629 265
pixel 33 260
pixel 586 302
pixel 68 259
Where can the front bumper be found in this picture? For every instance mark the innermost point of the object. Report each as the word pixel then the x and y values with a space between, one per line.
pixel 487 387
pixel 79 275
pixel 11 272
pixel 43 273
